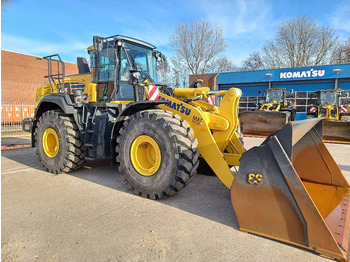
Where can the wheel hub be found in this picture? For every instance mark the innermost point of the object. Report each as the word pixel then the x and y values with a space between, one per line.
pixel 51 142
pixel 145 155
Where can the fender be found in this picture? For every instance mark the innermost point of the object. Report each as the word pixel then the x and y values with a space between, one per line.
pixel 52 102
pixel 131 109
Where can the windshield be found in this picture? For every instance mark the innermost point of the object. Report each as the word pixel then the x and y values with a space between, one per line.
pixel 328 98
pixel 274 95
pixel 144 60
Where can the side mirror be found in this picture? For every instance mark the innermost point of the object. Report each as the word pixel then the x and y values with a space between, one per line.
pixel 196 84
pixel 158 55
pixel 291 91
pixel 134 78
pixel 259 92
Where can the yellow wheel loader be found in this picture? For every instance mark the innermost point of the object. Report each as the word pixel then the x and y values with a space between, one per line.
pixel 155 135
pixel 275 113
pixel 336 124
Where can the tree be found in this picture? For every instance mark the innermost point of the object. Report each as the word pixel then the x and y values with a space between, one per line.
pixel 253 62
pixel 196 44
pixel 164 71
pixel 300 42
pixel 180 73
pixel 221 65
pixel 342 53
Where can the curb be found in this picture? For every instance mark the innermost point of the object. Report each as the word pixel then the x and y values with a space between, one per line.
pixel 10 147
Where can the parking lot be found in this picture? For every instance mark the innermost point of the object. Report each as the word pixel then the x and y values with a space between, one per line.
pixel 89 215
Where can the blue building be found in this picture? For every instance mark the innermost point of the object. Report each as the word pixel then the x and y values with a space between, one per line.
pixel 304 81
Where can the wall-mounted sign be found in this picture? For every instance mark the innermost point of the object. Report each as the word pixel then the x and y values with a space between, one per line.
pixel 299 73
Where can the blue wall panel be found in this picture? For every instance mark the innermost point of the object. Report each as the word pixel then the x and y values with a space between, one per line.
pixel 305 87
pixel 285 74
pixel 345 85
pixel 248 90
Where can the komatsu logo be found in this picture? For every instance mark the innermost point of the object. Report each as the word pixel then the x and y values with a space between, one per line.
pixel 303 74
pixel 178 107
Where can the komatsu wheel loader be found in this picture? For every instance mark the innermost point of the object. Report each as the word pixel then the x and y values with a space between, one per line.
pixel 275 113
pixel 155 135
pixel 336 124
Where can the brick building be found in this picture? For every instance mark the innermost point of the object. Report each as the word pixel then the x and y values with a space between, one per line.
pixel 22 74
pixel 209 80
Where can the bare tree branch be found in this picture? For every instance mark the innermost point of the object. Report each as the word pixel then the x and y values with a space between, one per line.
pixel 298 42
pixel 197 45
pixel 342 54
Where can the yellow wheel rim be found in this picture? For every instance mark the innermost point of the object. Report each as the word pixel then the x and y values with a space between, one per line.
pixel 51 143
pixel 145 155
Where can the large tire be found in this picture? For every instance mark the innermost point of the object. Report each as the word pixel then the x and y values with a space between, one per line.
pixel 58 143
pixel 173 157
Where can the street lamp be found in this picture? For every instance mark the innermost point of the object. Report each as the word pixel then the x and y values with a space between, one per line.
pixel 336 71
pixel 269 75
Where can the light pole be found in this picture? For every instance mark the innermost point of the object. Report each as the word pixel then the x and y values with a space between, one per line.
pixel 269 75
pixel 336 71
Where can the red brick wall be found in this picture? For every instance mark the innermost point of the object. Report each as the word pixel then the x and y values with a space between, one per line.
pixel 22 74
pixel 209 80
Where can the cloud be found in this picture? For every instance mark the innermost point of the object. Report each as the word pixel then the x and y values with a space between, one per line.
pixel 340 19
pixel 68 49
pixel 240 17
pixel 247 24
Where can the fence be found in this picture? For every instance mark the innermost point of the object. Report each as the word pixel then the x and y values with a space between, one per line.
pixel 301 100
pixel 12 115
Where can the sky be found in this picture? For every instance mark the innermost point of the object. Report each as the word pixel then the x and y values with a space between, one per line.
pixel 66 27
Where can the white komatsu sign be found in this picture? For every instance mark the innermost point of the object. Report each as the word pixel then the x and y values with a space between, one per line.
pixel 303 73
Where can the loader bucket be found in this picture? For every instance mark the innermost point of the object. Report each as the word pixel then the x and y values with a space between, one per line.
pixel 336 130
pixel 290 189
pixel 262 122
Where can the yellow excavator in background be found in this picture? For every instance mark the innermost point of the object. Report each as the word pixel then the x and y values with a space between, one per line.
pixel 275 113
pixel 335 112
pixel 155 135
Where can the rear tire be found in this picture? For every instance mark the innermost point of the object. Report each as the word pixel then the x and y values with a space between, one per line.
pixel 174 160
pixel 58 143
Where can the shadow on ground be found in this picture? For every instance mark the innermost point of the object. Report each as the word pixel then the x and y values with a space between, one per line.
pixel 15 140
pixel 344 167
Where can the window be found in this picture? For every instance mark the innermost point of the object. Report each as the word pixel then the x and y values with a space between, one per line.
pixel 275 95
pixel 144 60
pixel 107 64
pixel 328 98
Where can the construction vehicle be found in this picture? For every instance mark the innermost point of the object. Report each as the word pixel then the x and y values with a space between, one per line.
pixel 336 124
pixel 155 135
pixel 272 115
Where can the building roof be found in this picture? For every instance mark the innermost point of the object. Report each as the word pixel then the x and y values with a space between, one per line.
pixel 22 74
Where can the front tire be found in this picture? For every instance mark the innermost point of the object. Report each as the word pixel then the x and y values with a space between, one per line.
pixel 58 142
pixel 157 153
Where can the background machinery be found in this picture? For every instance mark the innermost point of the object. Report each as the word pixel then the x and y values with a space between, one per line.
pixel 335 112
pixel 272 115
pixel 155 136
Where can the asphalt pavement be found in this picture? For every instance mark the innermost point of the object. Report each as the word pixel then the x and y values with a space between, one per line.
pixel 90 215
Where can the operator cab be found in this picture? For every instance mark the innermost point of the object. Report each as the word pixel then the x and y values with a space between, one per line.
pixel 114 58
pixel 275 94
pixel 328 97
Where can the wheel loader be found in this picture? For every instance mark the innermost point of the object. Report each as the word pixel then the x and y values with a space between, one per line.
pixel 336 124
pixel 155 136
pixel 272 115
